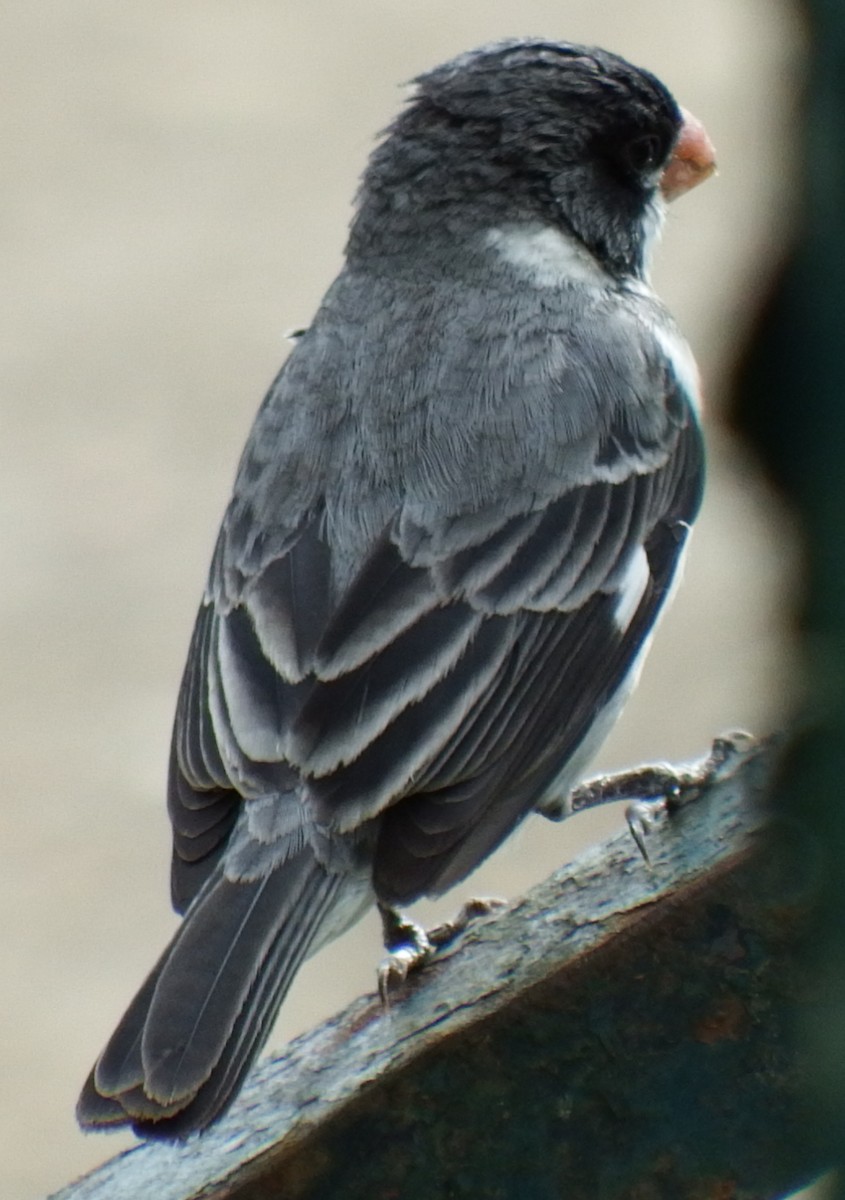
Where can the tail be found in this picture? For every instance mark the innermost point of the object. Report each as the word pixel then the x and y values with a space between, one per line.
pixel 180 1053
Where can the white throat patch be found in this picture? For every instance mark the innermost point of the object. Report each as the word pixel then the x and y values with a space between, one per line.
pixel 547 257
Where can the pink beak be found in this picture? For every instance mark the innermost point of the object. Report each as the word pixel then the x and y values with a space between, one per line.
pixel 693 161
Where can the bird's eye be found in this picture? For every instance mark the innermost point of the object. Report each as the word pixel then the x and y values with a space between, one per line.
pixel 644 154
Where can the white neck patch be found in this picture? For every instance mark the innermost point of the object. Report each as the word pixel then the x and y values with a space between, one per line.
pixel 653 222
pixel 545 256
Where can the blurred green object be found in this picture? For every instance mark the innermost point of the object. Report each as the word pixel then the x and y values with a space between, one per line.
pixel 791 405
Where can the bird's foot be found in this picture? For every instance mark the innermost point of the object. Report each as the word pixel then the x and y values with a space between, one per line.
pixel 656 791
pixel 670 788
pixel 410 946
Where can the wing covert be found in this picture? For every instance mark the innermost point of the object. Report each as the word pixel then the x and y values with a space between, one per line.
pixel 451 676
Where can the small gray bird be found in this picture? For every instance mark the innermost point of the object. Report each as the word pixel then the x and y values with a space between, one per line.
pixel 457 518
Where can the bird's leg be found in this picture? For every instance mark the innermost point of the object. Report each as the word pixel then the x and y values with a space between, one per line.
pixel 410 946
pixel 652 791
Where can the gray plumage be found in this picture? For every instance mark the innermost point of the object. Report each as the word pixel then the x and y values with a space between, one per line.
pixel 455 521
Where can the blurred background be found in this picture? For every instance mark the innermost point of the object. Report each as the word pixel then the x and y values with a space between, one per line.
pixel 177 184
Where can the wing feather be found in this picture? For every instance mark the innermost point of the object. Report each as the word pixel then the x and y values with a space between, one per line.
pixel 442 685
pixel 575 515
pixel 387 768
pixel 199 754
pixel 471 568
pixel 288 600
pixel 386 597
pixel 346 714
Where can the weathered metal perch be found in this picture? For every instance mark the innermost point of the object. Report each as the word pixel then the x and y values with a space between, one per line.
pixel 625 1030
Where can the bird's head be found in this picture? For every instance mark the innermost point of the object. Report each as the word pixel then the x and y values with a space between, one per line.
pixel 531 130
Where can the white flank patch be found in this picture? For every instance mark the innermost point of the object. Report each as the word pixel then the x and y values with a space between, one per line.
pixel 680 356
pixel 546 256
pixel 574 768
pixel 631 589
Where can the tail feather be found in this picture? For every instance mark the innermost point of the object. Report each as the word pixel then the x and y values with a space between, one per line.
pixel 180 1052
pixel 119 1067
pixel 203 986
pixel 249 1034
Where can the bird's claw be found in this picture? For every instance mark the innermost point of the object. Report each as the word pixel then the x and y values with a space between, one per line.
pixel 411 947
pixel 671 788
pixel 395 967
pixel 641 817
pixel 668 789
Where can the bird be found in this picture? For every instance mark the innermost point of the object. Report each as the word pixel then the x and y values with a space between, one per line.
pixel 458 515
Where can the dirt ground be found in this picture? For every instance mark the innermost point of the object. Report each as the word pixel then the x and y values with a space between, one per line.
pixel 176 184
